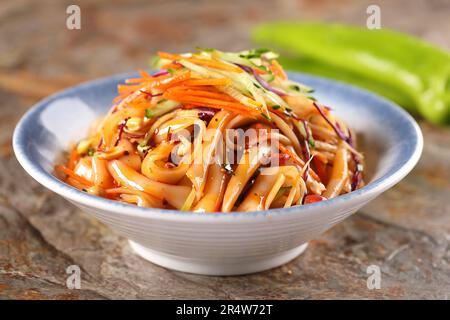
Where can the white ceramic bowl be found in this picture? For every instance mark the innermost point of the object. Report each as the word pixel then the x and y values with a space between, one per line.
pixel 222 243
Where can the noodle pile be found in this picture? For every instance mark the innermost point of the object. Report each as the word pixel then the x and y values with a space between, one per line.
pixel 216 132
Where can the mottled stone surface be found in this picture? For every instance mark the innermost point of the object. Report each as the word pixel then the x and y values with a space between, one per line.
pixel 406 231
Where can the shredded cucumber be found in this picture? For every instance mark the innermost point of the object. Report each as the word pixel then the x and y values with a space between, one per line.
pixel 249 87
pixel 163 107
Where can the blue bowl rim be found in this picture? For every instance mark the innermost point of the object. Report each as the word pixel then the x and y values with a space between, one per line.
pixel 74 195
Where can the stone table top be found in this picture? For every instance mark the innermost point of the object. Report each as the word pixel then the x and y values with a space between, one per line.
pixel 406 231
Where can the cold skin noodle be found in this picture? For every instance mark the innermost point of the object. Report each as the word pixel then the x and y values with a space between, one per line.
pixel 216 131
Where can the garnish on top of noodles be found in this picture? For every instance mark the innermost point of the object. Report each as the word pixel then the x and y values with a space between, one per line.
pixel 216 131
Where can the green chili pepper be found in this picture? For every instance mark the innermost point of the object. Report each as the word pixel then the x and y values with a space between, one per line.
pixel 403 68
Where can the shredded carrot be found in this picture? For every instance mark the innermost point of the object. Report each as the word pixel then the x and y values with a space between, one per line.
pixel 123 88
pixel 259 71
pixel 133 84
pixel 293 155
pixel 136 80
pixel 297 160
pixel 147 78
pixel 170 82
pixel 120 97
pixel 208 94
pixel 75 183
pixel 215 64
pixel 208 82
pixel 205 62
pixel 201 88
pixel 200 93
pixel 73 158
pixel 276 68
pixel 144 74
pixel 172 65
pixel 208 102
pixel 73 175
pixel 203 100
pixel 169 56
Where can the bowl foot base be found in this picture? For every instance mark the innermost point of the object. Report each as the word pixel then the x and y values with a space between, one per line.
pixel 217 267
